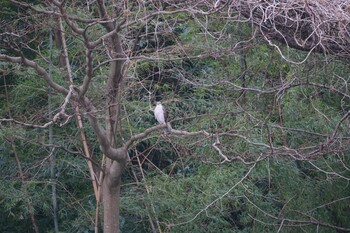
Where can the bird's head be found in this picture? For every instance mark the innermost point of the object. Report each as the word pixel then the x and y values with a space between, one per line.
pixel 158 103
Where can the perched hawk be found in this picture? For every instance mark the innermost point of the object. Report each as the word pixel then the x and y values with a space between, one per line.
pixel 160 114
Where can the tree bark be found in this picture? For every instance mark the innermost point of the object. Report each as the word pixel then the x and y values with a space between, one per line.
pixel 111 195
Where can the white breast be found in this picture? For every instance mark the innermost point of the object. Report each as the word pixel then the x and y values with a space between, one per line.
pixel 159 114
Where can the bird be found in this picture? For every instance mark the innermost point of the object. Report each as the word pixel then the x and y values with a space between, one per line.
pixel 160 114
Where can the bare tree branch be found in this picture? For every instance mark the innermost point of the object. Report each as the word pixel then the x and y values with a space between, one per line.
pixel 320 26
pixel 40 70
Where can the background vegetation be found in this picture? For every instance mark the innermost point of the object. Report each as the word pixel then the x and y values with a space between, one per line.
pixel 281 163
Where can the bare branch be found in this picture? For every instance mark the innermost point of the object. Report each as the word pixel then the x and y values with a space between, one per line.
pixel 40 70
pixel 61 114
pixel 142 135
pixel 319 26
pixel 71 23
pixel 28 124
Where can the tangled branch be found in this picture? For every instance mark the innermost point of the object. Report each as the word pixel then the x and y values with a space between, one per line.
pixel 320 26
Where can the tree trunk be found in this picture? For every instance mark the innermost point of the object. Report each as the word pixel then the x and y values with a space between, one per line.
pixel 111 195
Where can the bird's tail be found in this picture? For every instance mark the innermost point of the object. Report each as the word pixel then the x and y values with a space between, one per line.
pixel 167 129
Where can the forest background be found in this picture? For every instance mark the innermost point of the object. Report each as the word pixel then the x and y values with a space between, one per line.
pixel 257 97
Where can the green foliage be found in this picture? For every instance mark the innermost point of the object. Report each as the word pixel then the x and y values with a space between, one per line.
pixel 183 185
pixel 210 201
pixel 277 187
